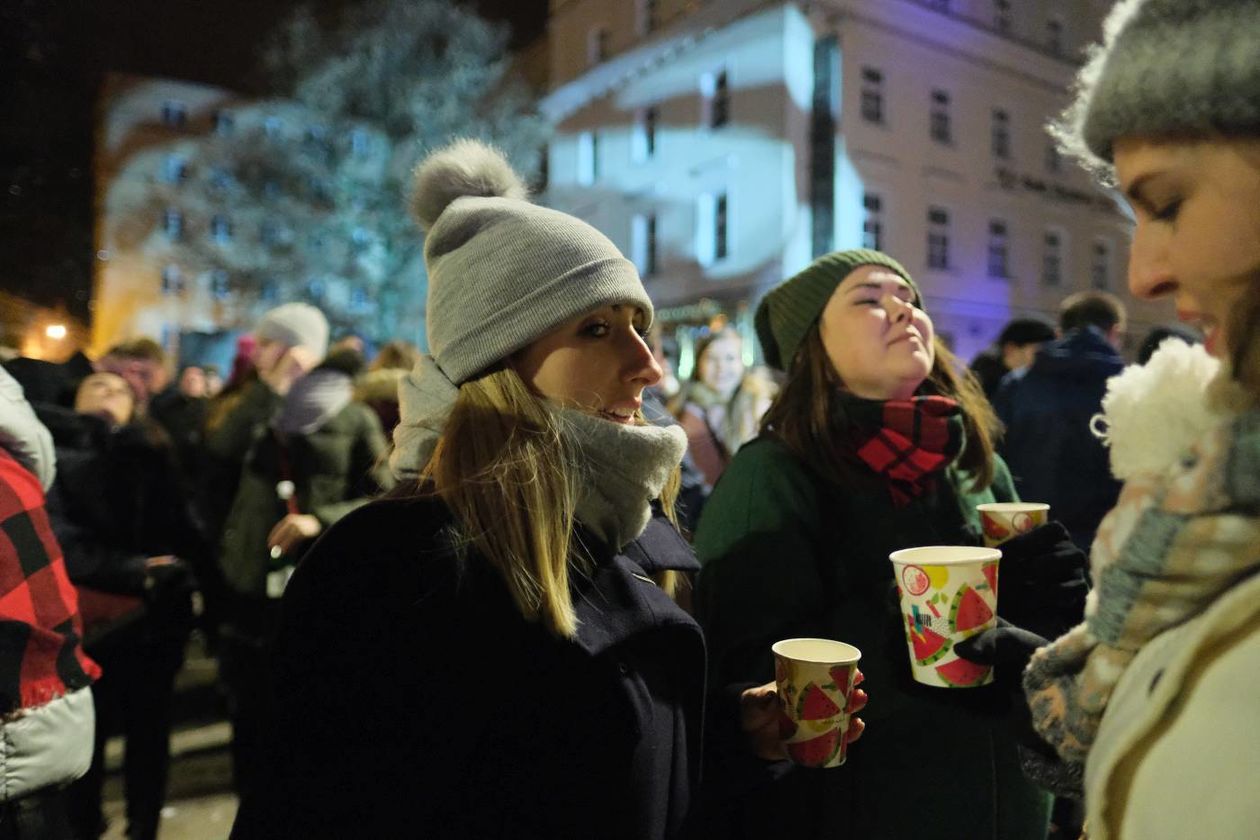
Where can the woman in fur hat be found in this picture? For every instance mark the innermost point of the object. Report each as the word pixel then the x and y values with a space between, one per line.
pixel 493 651
pixel 1155 694
pixel 876 442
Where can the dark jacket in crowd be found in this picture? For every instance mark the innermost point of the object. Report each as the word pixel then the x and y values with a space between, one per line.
pixel 784 554
pixel 50 382
pixel 1053 455
pixel 414 700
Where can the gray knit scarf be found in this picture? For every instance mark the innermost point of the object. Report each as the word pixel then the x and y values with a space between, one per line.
pixel 623 467
pixel 314 400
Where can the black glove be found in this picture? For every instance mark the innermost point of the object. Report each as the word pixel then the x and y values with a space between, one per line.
pixel 1005 647
pixel 1041 584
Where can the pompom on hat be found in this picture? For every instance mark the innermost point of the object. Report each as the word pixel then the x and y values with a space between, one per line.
pixel 502 271
pixel 1166 67
pixel 788 311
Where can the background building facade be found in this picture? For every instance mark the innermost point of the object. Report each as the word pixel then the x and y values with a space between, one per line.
pixel 724 144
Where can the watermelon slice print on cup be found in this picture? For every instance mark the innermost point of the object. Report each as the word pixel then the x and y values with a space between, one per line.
pixel 813 719
pixel 928 645
pixel 962 673
pixel 815 704
pixel 969 612
pixel 817 752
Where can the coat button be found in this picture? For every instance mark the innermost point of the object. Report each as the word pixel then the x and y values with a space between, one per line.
pixel 623 668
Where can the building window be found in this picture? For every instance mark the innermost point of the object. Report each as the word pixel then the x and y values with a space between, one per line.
pixel 647 16
pixel 712 238
pixel 1100 265
pixel 1054 160
pixel 173 224
pixel 938 238
pixel 939 125
pixel 273 127
pixel 715 99
pixel 872 95
pixel 359 299
pixel 220 289
pixel 174 169
pixel 1002 16
pixel 220 229
pixel 643 245
pixel 360 143
pixel 1052 258
pixel 224 122
pixel 872 222
pixel 643 141
pixel 999 249
pixel 1001 134
pixel 1054 36
pixel 220 178
pixel 172 280
pixel 587 158
pixel 174 113
pixel 596 45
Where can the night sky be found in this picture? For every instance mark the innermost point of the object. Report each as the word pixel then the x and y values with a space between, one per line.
pixel 57 52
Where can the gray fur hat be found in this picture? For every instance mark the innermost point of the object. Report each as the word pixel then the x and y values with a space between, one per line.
pixel 1164 67
pixel 502 271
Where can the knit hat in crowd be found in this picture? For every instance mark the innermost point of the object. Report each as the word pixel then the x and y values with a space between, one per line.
pixel 502 271
pixel 295 325
pixel 791 308
pixel 1166 67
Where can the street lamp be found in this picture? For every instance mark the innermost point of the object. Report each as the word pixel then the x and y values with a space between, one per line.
pixel 55 331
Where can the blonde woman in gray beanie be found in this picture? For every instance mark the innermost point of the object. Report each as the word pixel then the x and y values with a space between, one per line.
pixel 1154 696
pixel 493 651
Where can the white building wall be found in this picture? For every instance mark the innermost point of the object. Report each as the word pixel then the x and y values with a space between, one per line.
pixel 762 158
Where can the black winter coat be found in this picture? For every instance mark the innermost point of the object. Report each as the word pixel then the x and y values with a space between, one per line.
pixel 1053 455
pixel 414 701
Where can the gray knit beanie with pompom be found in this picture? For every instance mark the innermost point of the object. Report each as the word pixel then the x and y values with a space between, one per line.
pixel 1166 67
pixel 502 271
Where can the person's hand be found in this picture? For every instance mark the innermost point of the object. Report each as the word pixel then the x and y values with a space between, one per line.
pixel 1041 582
pixel 293 530
pixel 288 367
pixel 759 711
pixel 1006 648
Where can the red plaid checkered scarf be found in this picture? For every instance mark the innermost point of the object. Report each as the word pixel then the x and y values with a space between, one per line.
pixel 908 442
pixel 40 631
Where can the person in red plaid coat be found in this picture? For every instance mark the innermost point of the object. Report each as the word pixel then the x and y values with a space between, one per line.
pixel 878 441
pixel 46 713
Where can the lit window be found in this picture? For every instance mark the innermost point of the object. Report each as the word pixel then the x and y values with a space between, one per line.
pixel 174 169
pixel 999 249
pixel 587 158
pixel 172 280
pixel 939 123
pixel 596 45
pixel 174 113
pixel 1001 134
pixel 1002 16
pixel 1054 36
pixel 1100 265
pixel 224 122
pixel 360 143
pixel 173 224
pixel 1052 258
pixel 643 245
pixel 712 238
pixel 872 95
pixel 220 229
pixel 220 288
pixel 938 238
pixel 872 222
pixel 273 127
pixel 643 141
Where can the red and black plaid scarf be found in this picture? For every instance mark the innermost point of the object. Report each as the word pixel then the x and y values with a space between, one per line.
pixel 40 630
pixel 908 442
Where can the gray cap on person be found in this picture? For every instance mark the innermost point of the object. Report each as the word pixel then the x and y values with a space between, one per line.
pixel 296 325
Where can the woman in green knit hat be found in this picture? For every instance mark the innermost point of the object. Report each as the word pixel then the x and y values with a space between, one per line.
pixel 876 442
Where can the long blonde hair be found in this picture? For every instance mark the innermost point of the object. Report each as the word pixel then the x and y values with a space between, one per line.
pixel 510 477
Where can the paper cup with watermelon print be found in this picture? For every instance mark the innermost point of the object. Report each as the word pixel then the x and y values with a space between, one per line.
pixel 1003 520
pixel 815 679
pixel 948 593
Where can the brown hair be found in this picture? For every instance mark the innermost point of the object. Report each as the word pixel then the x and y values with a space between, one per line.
pixel 806 418
pixel 1243 331
pixel 396 355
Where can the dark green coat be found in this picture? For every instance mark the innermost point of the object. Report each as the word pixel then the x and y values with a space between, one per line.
pixel 785 554
pixel 335 469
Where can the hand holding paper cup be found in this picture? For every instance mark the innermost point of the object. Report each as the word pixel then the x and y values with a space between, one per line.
pixel 1003 520
pixel 815 680
pixel 947 593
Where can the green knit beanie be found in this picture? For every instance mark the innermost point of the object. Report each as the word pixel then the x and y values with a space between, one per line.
pixel 788 311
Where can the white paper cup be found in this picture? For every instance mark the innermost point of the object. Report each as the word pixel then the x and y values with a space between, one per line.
pixel 1003 520
pixel 815 680
pixel 948 593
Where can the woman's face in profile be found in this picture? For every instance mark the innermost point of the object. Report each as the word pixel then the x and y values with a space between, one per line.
pixel 598 363
pixel 1197 238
